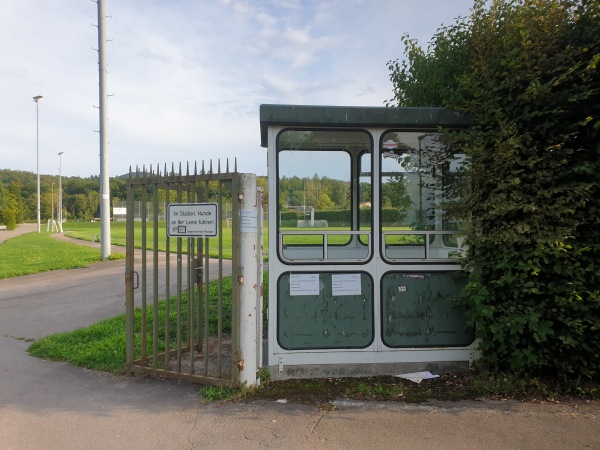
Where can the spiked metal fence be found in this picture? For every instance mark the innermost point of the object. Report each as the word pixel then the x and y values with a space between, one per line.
pixel 176 316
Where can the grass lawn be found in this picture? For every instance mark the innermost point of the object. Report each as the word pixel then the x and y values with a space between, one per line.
pixel 38 252
pixel 102 346
pixel 89 231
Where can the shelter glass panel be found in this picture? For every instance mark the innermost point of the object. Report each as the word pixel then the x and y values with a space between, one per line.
pixel 421 179
pixel 324 195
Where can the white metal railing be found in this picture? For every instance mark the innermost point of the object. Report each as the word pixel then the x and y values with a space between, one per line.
pixel 459 249
pixel 325 245
pixel 451 252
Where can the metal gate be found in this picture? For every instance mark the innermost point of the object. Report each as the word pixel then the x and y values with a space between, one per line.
pixel 182 311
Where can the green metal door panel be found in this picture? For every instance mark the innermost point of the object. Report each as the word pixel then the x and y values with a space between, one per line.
pixel 325 321
pixel 416 311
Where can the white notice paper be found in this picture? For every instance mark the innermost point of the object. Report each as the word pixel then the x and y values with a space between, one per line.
pixel 304 284
pixel 248 221
pixel 346 284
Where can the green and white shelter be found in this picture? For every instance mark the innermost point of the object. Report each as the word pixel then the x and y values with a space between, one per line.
pixel 363 253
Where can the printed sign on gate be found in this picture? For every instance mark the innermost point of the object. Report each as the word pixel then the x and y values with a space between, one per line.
pixel 192 220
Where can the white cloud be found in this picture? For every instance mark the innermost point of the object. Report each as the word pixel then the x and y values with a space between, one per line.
pixel 188 76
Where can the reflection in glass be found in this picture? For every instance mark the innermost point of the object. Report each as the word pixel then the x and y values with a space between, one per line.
pixel 317 189
pixel 420 181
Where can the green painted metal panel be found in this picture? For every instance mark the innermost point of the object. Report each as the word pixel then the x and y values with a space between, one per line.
pixel 416 310
pixel 325 320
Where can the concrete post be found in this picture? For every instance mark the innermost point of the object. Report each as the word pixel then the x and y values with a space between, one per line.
pixel 259 276
pixel 105 238
pixel 249 284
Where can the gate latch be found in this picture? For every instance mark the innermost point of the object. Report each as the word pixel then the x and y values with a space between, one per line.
pixel 199 274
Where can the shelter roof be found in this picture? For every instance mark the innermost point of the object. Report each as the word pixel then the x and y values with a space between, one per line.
pixel 357 116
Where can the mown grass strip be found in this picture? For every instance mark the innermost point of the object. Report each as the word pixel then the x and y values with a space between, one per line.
pixel 38 252
pixel 101 346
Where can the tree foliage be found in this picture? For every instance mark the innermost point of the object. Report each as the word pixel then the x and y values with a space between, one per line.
pixel 526 72
pixel 81 196
pixel 323 193
pixel 9 207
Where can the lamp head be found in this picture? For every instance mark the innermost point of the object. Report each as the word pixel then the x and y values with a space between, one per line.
pixel 37 98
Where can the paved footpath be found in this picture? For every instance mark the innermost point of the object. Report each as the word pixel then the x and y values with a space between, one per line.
pixel 53 405
pixel 21 229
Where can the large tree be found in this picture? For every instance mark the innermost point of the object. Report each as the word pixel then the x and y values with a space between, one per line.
pixel 526 73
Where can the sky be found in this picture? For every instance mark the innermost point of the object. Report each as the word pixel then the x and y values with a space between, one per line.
pixel 186 77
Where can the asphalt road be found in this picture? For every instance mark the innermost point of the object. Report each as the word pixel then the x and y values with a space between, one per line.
pixel 51 405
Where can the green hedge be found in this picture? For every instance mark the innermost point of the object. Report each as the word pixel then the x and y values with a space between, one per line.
pixel 526 73
pixel 290 215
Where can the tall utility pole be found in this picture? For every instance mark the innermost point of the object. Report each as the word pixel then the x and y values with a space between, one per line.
pixel 37 99
pixel 60 206
pixel 104 176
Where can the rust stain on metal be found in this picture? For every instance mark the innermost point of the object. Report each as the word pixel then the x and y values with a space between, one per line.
pixel 240 364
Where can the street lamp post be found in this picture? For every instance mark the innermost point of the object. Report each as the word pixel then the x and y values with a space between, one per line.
pixel 37 99
pixel 60 206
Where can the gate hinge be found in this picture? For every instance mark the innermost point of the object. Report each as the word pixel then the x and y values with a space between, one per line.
pixel 241 279
pixel 470 360
pixel 281 365
pixel 240 364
